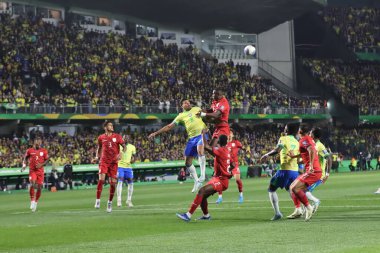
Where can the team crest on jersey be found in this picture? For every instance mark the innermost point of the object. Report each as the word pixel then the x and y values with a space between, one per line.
pixel 304 143
pixel 233 144
pixel 41 153
pixel 114 139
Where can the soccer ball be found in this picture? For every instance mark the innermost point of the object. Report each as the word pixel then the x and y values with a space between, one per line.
pixel 249 50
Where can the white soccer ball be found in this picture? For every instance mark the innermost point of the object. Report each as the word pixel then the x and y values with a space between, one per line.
pixel 249 50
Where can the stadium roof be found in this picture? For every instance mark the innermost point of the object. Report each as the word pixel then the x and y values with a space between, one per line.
pixel 249 16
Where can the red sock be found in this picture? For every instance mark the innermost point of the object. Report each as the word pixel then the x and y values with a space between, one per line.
pixel 204 206
pixel 112 191
pixel 31 193
pixel 296 201
pixel 197 201
pixel 220 193
pixel 99 189
pixel 302 197
pixel 38 194
pixel 240 185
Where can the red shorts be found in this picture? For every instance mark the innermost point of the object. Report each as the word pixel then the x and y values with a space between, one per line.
pixel 37 175
pixel 218 184
pixel 310 178
pixel 108 168
pixel 236 171
pixel 221 130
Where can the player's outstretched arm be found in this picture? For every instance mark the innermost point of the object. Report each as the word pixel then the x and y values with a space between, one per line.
pixel 273 152
pixel 162 130
pixel 207 147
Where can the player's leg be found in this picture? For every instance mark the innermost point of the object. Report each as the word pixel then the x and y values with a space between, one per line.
pixel 220 197
pixel 120 181
pixel 99 188
pixel 201 160
pixel 39 184
pixel 239 184
pixel 129 177
pixel 311 197
pixel 32 186
pixel 203 192
pixel 297 203
pixel 276 181
pixel 112 174
pixel 190 167
pixel 298 189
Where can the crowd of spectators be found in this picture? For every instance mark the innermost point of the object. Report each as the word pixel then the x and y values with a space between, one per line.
pixel 256 140
pixel 356 83
pixel 360 27
pixel 69 66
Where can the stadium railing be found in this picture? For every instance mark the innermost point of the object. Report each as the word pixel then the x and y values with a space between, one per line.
pixel 103 109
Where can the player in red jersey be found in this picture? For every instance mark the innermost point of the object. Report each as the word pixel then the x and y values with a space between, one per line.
pixel 313 173
pixel 38 158
pixel 219 182
pixel 234 146
pixel 109 152
pixel 220 114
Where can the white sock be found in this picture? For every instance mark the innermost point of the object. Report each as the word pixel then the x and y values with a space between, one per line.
pixel 130 192
pixel 119 189
pixel 241 194
pixel 206 215
pixel 188 214
pixel 311 197
pixel 193 172
pixel 273 197
pixel 220 195
pixel 202 165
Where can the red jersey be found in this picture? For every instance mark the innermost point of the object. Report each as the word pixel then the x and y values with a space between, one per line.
pixel 234 147
pixel 110 146
pixel 36 156
pixel 306 142
pixel 222 106
pixel 221 162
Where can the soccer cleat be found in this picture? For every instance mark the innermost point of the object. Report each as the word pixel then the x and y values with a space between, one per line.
pixel 31 204
pixel 316 205
pixel 34 208
pixel 183 216
pixel 97 204
pixel 219 200
pixel 129 203
pixel 309 213
pixel 109 206
pixel 295 215
pixel 118 202
pixel 241 199
pixel 277 217
pixel 378 191
pixel 204 217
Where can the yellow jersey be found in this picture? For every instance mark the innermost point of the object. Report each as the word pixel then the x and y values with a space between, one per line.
pixel 126 157
pixel 286 144
pixel 193 124
pixel 322 155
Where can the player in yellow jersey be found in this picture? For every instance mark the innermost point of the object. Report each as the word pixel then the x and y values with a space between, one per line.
pixel 288 171
pixel 125 172
pixel 194 148
pixel 325 161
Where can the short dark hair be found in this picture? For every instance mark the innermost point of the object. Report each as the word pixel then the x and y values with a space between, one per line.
pixel 305 128
pixel 223 140
pixel 106 123
pixel 317 132
pixel 184 99
pixel 292 128
pixel 37 138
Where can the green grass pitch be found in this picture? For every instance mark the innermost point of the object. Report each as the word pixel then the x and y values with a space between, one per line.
pixel 348 220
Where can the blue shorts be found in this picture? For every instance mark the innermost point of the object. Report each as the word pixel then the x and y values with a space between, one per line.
pixel 313 186
pixel 283 179
pixel 125 173
pixel 192 144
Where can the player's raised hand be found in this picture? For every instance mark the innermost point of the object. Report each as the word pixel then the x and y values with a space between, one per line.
pixel 151 136
pixel 95 160
pixel 264 158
